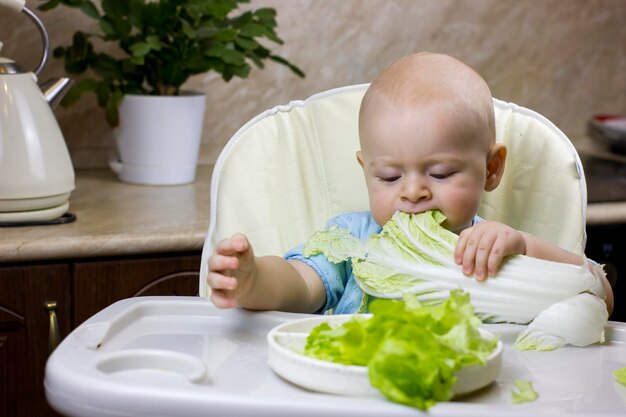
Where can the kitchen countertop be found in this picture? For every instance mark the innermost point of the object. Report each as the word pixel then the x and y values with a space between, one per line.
pixel 606 213
pixel 114 218
pixel 117 219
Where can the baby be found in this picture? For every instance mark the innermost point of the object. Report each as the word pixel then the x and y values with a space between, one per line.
pixel 427 137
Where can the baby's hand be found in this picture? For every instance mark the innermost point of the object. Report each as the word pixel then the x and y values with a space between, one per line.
pixel 481 248
pixel 231 271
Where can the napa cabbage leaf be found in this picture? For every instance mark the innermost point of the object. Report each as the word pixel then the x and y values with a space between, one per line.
pixel 414 254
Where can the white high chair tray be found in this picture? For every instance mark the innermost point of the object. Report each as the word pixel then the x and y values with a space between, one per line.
pixel 181 356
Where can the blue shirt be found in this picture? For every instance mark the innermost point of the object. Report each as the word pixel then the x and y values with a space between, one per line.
pixel 343 295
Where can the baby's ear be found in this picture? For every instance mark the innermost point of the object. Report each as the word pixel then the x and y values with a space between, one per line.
pixel 495 166
pixel 359 158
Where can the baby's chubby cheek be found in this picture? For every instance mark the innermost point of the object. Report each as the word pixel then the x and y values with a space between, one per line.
pixel 381 217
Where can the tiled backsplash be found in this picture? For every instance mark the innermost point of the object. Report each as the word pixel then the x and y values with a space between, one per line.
pixel 564 59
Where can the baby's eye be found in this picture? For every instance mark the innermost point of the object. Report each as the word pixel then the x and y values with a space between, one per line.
pixel 441 175
pixel 393 178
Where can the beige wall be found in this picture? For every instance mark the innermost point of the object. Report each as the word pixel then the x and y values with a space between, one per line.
pixel 564 58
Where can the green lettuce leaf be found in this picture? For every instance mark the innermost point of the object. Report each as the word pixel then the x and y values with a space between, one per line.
pixel 411 350
pixel 620 375
pixel 523 392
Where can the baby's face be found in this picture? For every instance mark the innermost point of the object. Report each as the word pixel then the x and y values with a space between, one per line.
pixel 419 161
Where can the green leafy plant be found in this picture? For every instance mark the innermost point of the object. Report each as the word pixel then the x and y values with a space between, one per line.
pixel 163 43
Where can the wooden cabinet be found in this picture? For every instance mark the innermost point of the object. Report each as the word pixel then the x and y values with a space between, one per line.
pixel 24 331
pixel 97 284
pixel 80 289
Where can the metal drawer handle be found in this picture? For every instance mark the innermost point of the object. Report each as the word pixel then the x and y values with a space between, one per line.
pixel 54 335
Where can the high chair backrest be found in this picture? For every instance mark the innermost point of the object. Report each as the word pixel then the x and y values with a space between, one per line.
pixel 291 168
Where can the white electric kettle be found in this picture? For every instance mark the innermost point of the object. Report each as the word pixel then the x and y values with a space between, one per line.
pixel 36 173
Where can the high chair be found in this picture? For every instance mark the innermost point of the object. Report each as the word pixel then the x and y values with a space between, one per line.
pixel 278 180
pixel 293 167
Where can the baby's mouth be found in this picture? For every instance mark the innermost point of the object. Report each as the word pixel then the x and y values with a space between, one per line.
pixel 415 209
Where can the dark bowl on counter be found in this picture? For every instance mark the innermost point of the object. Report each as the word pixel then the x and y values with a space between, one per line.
pixel 610 130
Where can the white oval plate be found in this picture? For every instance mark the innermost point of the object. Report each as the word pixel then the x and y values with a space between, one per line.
pixel 287 339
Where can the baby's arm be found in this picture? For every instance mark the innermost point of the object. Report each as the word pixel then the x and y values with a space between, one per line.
pixel 238 278
pixel 482 247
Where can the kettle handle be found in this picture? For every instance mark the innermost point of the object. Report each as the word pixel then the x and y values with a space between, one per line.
pixel 44 37
pixel 18 6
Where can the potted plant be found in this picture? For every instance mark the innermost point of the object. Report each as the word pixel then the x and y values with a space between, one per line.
pixel 159 45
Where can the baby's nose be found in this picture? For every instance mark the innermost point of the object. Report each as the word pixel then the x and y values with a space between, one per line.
pixel 415 191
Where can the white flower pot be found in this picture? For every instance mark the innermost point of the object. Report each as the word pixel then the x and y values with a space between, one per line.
pixel 158 138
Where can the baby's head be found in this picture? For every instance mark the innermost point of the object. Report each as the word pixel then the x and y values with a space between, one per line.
pixel 427 134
